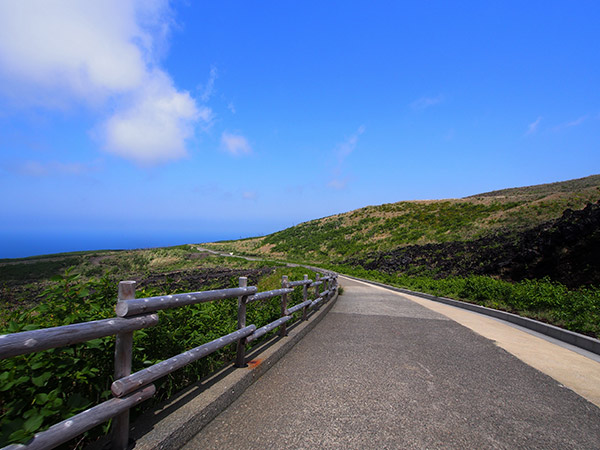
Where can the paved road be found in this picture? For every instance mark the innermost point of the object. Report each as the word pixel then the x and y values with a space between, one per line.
pixel 382 371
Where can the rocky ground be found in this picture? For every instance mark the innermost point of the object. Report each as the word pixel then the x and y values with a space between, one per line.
pixel 23 281
pixel 201 279
pixel 566 250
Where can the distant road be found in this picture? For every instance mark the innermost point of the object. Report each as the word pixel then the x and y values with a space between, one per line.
pixel 384 371
pixel 214 252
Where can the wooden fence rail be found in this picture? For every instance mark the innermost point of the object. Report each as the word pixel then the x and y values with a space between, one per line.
pixel 37 340
pixel 134 314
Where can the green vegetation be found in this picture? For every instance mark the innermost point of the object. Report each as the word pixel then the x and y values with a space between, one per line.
pixel 40 389
pixel 543 190
pixel 515 237
pixel 23 280
pixel 544 300
pixel 407 223
pixel 389 226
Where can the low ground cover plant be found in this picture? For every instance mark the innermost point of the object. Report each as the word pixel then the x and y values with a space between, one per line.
pixel 43 388
pixel 546 300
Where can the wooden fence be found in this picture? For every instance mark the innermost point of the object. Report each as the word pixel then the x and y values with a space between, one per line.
pixel 130 389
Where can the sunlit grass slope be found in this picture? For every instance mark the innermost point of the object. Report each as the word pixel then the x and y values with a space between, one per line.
pixel 392 225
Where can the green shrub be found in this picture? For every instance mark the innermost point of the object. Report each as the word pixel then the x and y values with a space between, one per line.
pixel 546 300
pixel 43 388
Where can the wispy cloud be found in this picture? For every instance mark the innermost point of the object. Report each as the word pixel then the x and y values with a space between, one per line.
pixel 249 195
pixel 209 87
pixel 426 102
pixel 576 122
pixel 36 169
pixel 344 149
pixel 231 107
pixel 235 144
pixel 105 55
pixel 571 124
pixel 341 152
pixel 212 190
pixel 533 126
pixel 338 183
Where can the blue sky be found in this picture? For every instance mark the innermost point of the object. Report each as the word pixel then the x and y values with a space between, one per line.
pixel 229 119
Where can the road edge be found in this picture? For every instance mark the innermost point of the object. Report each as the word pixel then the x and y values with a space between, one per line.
pixel 579 340
pixel 178 420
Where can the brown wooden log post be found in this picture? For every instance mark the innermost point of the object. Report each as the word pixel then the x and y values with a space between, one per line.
pixel 284 302
pixel 317 288
pixel 123 354
pixel 304 298
pixel 240 359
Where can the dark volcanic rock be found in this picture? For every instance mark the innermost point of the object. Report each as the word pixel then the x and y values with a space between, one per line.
pixel 566 250
pixel 202 279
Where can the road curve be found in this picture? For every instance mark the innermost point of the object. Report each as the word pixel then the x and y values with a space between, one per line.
pixel 384 371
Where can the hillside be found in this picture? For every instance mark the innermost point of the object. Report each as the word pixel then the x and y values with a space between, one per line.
pixel 543 190
pixel 24 280
pixel 564 250
pixel 373 230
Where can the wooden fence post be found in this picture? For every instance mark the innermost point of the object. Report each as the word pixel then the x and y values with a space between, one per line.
pixel 317 289
pixel 123 354
pixel 284 302
pixel 304 298
pixel 240 359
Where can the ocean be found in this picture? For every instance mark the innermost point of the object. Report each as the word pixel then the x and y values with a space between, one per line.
pixel 19 244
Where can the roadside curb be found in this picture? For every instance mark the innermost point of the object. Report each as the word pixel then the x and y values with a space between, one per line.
pixel 178 420
pixel 570 337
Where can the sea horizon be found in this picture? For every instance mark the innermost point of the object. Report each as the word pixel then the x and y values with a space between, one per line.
pixel 21 244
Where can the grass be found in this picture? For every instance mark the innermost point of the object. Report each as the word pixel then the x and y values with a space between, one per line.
pixel 545 300
pixel 23 280
pixel 40 389
pixel 362 235
pixel 388 226
pixel 543 190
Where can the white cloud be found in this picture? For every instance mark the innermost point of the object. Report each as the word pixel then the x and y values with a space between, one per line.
pixel 210 85
pixel 576 122
pixel 103 54
pixel 51 168
pixel 249 195
pixel 33 169
pixel 573 123
pixel 84 49
pixel 533 126
pixel 154 126
pixel 338 184
pixel 235 144
pixel 345 148
pixel 341 152
pixel 426 102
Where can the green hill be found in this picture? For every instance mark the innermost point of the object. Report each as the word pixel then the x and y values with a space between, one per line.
pixel 389 226
pixel 532 250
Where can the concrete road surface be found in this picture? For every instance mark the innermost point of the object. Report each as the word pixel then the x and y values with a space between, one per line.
pixel 384 371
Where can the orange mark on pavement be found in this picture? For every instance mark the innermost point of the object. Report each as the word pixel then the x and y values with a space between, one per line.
pixel 254 363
